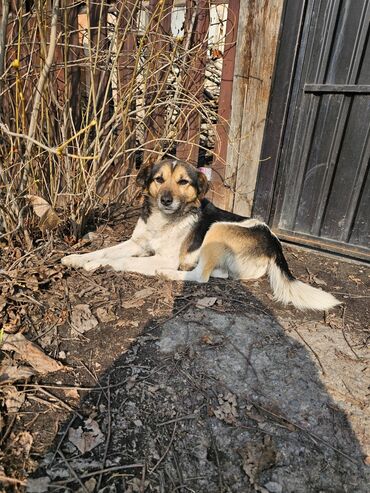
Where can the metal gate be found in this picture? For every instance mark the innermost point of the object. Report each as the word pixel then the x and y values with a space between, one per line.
pixel 319 183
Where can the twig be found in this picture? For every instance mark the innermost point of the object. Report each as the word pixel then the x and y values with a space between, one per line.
pixel 101 471
pixel 62 438
pixel 165 452
pixel 3 31
pixel 73 472
pixel 344 333
pixel 312 350
pixel 181 418
pixel 174 315
pixel 317 437
pixel 42 79
pixel 61 402
pixel 107 441
pixel 6 479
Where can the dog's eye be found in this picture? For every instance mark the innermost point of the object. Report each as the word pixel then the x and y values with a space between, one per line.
pixel 159 179
pixel 183 182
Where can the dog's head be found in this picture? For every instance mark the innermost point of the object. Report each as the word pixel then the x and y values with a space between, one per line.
pixel 172 185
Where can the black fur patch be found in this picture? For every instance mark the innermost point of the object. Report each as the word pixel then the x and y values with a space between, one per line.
pixel 208 215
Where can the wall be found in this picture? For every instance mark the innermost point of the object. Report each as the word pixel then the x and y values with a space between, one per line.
pixel 259 25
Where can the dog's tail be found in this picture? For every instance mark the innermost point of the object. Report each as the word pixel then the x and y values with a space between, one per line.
pixel 288 289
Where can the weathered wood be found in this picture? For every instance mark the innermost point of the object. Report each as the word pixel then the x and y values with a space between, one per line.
pixel 160 48
pixel 219 193
pixel 256 47
pixel 194 82
pixel 99 42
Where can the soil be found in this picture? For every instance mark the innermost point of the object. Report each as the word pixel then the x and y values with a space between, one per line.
pixel 172 387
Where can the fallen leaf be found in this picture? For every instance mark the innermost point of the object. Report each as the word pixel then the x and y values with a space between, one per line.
pixel 227 409
pixel 38 485
pixel 40 206
pixel 31 353
pixel 49 219
pixel 144 293
pixel 105 315
pixel 13 398
pixel 86 440
pixel 82 319
pixel 134 303
pixel 22 443
pixel 318 281
pixel 72 393
pixel 258 457
pixel 206 302
pixel 89 486
pixel 12 373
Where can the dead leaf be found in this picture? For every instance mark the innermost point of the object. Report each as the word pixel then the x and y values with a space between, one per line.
pixel 227 410
pixel 3 303
pixel 22 443
pixel 82 319
pixel 38 485
pixel 13 399
pixel 12 373
pixel 144 293
pixel 216 340
pixel 86 440
pixel 206 302
pixel 40 206
pixel 72 393
pixel 258 457
pixel 49 219
pixel 105 315
pixel 132 303
pixel 318 281
pixel 31 353
pixel 89 486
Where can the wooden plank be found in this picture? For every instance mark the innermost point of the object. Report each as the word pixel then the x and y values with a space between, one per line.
pixel 98 26
pixel 160 48
pixel 337 88
pixel 255 59
pixel 277 120
pixel 219 193
pixel 194 82
pixel 77 86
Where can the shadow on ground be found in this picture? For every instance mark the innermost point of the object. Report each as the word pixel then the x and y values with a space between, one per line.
pixel 212 399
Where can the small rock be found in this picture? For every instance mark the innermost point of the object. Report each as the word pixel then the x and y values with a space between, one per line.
pixel 273 487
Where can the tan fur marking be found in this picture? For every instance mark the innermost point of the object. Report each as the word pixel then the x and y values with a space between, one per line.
pixel 184 250
pixel 236 238
pixel 211 256
pixel 171 176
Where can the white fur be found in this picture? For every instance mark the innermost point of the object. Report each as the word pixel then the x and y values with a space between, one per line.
pixel 301 295
pixel 154 245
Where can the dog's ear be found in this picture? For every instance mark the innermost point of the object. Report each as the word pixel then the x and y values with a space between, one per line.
pixel 202 184
pixel 144 175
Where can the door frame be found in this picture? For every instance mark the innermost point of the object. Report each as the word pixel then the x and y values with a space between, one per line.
pixel 269 179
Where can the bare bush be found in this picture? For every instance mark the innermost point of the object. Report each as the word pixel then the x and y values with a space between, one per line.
pixel 90 91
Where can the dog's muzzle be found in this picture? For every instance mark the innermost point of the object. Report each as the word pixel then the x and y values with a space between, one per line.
pixel 167 203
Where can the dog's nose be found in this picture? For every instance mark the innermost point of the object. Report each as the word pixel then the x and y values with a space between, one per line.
pixel 166 199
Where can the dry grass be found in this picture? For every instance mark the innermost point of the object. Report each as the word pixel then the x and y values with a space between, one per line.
pixel 86 96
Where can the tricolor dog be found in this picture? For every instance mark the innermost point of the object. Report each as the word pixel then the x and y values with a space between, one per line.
pixel 183 236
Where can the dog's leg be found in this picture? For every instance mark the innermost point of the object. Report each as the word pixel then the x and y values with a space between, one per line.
pixel 98 258
pixel 142 265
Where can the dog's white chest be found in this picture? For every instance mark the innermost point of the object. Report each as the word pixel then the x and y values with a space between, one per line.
pixel 161 236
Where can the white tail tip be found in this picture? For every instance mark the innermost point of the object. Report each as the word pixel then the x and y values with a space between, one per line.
pixel 301 295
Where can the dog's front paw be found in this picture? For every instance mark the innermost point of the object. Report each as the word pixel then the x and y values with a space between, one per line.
pixel 171 274
pixel 76 260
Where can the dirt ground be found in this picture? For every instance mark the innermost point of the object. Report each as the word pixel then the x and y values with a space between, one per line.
pixel 167 387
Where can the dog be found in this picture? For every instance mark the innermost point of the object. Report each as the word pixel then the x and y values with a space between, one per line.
pixel 183 236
